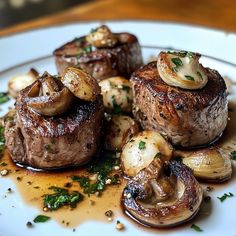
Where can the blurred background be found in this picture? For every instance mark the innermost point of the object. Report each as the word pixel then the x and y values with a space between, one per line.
pixel 21 15
pixel 17 11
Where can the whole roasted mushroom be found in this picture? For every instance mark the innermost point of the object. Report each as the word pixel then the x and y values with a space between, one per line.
pixel 209 164
pixel 48 96
pixel 163 196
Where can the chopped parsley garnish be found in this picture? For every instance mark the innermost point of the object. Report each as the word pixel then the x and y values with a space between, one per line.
pixel 80 41
pixel 61 197
pixel 102 167
pixel 196 228
pixel 225 196
pixel 41 219
pixel 126 88
pixel 189 77
pixel 142 145
pixel 85 49
pixel 199 74
pixel 3 97
pixel 178 63
pixel 3 164
pixel 116 107
pixel 233 155
pixel 190 55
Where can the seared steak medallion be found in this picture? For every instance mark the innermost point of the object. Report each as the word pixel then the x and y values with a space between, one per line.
pixel 188 117
pixel 121 58
pixel 67 139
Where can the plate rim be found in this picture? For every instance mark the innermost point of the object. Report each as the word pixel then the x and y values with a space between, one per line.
pixel 142 46
pixel 168 22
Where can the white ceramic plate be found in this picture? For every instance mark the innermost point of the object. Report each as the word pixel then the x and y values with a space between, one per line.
pixel 22 51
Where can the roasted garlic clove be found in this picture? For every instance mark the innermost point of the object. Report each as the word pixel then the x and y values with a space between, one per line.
pixel 81 83
pixel 210 164
pixel 118 131
pixel 49 97
pixel 19 82
pixel 182 69
pixel 141 150
pixel 102 37
pixel 117 94
pixel 163 199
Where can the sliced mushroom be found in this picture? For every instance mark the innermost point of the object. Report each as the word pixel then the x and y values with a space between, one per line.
pixel 141 150
pixel 119 130
pixel 49 97
pixel 210 164
pixel 117 94
pixel 163 199
pixel 182 69
pixel 81 83
pixel 19 82
pixel 102 37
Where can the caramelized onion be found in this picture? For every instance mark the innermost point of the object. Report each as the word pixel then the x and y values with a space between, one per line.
pixel 49 97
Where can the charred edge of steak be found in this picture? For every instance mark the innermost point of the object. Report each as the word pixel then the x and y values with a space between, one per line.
pixel 122 59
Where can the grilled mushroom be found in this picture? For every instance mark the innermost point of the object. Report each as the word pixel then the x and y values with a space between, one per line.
pixel 119 130
pixel 140 151
pixel 49 97
pixel 163 198
pixel 210 164
pixel 19 82
pixel 102 37
pixel 182 69
pixel 117 94
pixel 80 83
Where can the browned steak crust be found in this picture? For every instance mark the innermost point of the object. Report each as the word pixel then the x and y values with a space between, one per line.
pixel 188 117
pixel 69 139
pixel 102 63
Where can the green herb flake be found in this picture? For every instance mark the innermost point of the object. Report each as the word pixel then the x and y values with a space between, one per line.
pixel 61 197
pixel 225 196
pixel 177 61
pixel 200 75
pixel 188 77
pixel 190 55
pixel 196 228
pixel 3 164
pixel 4 97
pixel 102 167
pixel 84 49
pixel 233 155
pixel 88 48
pixel 41 219
pixel 142 145
pixel 126 88
pixel 116 107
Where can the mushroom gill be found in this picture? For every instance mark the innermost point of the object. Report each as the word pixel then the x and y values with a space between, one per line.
pixel 163 198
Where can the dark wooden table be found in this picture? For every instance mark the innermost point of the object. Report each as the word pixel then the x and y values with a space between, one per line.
pixel 220 14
